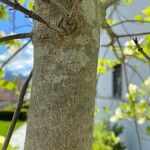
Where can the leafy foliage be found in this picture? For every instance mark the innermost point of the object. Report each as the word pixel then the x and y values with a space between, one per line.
pixel 106 64
pixel 21 2
pixel 111 21
pixel 5 126
pixel 31 5
pixel 3 12
pixel 134 108
pixel 146 11
pixel 144 16
pixel 148 130
pixel 9 85
pixel 127 2
pixel 106 137
pixel 11 45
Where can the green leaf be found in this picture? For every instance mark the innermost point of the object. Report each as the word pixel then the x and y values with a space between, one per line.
pixel 106 64
pixel 30 5
pixel 127 2
pixel 147 39
pixel 101 70
pixel 21 2
pixel 147 18
pixel 96 111
pixel 111 21
pixel 148 130
pixel 3 12
pixel 106 110
pixel 9 85
pixel 1 73
pixel 125 107
pixel 138 18
pixel 146 11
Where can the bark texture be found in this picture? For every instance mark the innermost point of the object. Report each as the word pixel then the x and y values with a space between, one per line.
pixel 64 78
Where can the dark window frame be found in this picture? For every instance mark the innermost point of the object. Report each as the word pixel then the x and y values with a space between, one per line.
pixel 117 81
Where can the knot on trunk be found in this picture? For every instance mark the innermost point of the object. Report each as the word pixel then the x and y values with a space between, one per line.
pixel 69 23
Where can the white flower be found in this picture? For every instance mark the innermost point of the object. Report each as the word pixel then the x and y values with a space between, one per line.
pixel 147 82
pixel 113 119
pixel 130 44
pixel 129 48
pixel 127 96
pixel 132 89
pixel 141 120
pixel 128 51
pixel 118 115
pixel 142 101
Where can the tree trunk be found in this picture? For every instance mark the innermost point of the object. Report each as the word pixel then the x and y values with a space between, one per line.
pixel 64 78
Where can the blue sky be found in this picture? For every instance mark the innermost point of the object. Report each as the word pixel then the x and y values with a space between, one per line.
pixel 23 62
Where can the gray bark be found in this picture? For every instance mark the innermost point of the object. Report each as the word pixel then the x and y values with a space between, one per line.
pixel 64 78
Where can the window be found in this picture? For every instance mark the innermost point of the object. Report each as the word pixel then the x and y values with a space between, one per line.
pixel 117 81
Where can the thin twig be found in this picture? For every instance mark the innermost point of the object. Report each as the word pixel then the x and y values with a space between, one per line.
pixel 31 14
pixel 17 112
pixel 11 57
pixel 122 25
pixel 130 21
pixel 123 64
pixel 133 34
pixel 23 26
pixel 140 49
pixel 136 126
pixel 14 21
pixel 132 103
pixel 16 36
pixel 114 38
pixel 138 74
pixel 27 12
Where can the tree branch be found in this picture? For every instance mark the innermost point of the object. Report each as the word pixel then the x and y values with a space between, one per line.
pixel 16 36
pixel 17 112
pixel 25 11
pixel 140 49
pixel 135 71
pixel 31 14
pixel 11 57
pixel 133 34
pixel 130 21
pixel 132 103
